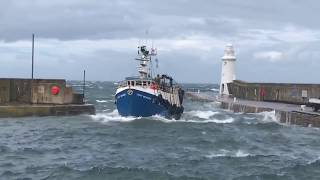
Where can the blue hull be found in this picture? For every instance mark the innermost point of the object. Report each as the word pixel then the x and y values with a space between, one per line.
pixel 133 102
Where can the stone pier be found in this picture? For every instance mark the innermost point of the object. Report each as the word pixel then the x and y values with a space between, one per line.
pixel 291 114
pixel 40 97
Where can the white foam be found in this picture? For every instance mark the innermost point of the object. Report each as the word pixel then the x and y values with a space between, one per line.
pixel 165 120
pixel 240 153
pixel 215 90
pixel 115 117
pixel 224 121
pixel 263 117
pixel 226 153
pixel 314 160
pixel 221 153
pixel 249 118
pixel 212 105
pixel 112 117
pixel 202 114
pixel 267 116
pixel 101 101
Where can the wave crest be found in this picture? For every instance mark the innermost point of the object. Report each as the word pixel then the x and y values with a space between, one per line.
pixel 269 116
pixel 165 120
pixel 205 117
pixel 113 116
pixel 101 101
pixel 226 153
pixel 202 114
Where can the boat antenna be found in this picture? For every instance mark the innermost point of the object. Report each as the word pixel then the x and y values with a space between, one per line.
pixel 157 62
pixel 147 33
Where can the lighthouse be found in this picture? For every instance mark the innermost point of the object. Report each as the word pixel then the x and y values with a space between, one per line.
pixel 228 69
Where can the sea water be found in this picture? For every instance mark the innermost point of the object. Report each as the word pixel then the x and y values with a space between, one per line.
pixel 206 143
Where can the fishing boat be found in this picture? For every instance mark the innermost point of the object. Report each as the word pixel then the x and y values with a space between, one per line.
pixel 144 95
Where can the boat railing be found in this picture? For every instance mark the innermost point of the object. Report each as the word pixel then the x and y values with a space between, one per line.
pixel 149 84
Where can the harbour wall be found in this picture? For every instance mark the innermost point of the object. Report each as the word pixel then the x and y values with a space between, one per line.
pixel 283 98
pixel 295 116
pixel 45 110
pixel 37 91
pixel 274 92
pixel 40 97
pixel 286 113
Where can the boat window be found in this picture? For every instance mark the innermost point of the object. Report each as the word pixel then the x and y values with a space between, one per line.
pixel 138 83
pixel 144 83
pixel 128 82
pixel 132 83
pixel 149 83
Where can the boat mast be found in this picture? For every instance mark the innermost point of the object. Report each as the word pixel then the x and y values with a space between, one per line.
pixel 144 56
pixel 145 67
pixel 144 59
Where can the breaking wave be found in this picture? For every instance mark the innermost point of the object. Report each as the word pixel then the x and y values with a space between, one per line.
pixel 226 153
pixel 202 114
pixel 165 120
pixel 262 117
pixel 112 117
pixel 195 116
pixel 269 116
pixel 103 101
pixel 214 90
pixel 115 117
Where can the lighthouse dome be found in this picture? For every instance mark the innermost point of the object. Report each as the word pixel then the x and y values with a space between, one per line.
pixel 229 53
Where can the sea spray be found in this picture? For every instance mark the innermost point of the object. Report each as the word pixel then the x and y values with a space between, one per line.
pixel 112 117
pixel 202 114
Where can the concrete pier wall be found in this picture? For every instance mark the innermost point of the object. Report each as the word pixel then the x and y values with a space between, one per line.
pixel 290 114
pixel 244 108
pixel 40 97
pixel 20 90
pixel 289 117
pixel 299 118
pixel 37 91
pixel 41 92
pixel 45 110
pixel 274 92
pixel 4 91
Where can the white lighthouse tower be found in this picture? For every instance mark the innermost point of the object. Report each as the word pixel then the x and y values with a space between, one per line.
pixel 228 69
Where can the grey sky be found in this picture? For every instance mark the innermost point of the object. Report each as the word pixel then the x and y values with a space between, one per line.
pixel 275 40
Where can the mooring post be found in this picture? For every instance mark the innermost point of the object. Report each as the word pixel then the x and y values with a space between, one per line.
pixel 84 83
pixel 32 64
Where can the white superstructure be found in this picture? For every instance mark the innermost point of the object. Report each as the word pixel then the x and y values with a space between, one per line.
pixel 228 69
pixel 144 56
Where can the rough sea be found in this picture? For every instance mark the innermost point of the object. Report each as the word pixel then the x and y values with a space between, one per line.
pixel 207 143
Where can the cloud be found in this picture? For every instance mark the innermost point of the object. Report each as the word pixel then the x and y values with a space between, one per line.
pixel 272 56
pixel 102 36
